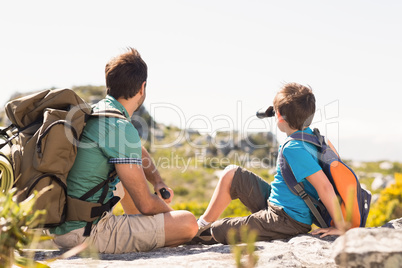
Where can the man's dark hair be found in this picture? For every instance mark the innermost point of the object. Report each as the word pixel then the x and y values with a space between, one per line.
pixel 296 104
pixel 125 74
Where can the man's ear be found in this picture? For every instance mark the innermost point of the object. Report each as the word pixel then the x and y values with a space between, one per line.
pixel 143 86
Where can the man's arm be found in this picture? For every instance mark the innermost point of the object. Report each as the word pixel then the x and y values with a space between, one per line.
pixel 153 176
pixel 133 178
pixel 328 197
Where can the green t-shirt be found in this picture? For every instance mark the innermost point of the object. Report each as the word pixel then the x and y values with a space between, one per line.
pixel 105 141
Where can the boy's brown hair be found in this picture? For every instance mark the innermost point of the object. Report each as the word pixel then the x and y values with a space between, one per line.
pixel 125 74
pixel 296 104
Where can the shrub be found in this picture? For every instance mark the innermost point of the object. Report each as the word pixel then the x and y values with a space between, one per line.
pixel 15 222
pixel 388 205
pixel 194 207
pixel 242 245
pixel 235 208
pixel 181 190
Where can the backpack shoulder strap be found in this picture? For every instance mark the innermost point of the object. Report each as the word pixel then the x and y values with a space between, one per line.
pixel 109 113
pixel 314 138
pixel 290 179
pixel 8 135
pixel 285 168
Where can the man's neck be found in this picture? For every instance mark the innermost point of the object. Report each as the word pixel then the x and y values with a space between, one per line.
pixel 130 105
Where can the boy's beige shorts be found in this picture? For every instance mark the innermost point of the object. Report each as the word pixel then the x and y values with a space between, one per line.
pixel 119 234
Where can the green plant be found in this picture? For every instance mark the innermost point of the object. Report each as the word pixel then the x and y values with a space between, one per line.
pixel 194 207
pixel 388 205
pixel 15 233
pixel 242 244
pixel 235 209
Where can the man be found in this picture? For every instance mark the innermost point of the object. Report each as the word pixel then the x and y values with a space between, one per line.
pixel 109 144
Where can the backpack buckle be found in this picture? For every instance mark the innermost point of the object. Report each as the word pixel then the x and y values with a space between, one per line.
pixel 318 135
pixel 300 191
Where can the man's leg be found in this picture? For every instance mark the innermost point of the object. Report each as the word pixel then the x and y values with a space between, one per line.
pixel 180 227
pixel 139 233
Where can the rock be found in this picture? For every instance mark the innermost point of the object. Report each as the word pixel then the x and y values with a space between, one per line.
pixel 300 251
pixel 381 182
pixel 365 247
pixel 386 165
pixel 395 224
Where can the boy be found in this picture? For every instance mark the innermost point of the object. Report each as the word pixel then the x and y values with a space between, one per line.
pixel 276 212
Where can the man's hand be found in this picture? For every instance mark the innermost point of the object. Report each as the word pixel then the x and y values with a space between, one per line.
pixel 160 186
pixel 153 176
pixel 327 231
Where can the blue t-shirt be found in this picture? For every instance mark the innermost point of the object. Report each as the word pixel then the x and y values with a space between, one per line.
pixel 302 158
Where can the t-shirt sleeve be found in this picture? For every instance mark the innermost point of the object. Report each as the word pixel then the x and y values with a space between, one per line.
pixel 122 144
pixel 301 160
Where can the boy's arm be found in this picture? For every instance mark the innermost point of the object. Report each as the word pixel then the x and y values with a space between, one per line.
pixel 327 195
pixel 153 176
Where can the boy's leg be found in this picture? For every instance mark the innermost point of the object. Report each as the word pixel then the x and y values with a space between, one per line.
pixel 271 223
pixel 221 197
pixel 250 189
pixel 237 182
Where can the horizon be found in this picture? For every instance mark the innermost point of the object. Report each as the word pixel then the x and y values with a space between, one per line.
pixel 212 65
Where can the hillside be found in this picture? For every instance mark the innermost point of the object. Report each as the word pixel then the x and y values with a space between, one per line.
pixel 190 162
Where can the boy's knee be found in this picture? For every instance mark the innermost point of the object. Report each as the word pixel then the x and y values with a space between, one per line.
pixel 230 167
pixel 228 172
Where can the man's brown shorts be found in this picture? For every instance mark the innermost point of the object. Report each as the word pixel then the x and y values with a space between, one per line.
pixel 269 220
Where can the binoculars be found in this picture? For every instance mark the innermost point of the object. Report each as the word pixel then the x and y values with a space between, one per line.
pixel 164 193
pixel 267 113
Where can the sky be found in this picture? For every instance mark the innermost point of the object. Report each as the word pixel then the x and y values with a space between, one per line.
pixel 213 64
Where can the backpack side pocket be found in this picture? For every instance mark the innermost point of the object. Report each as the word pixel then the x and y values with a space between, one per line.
pixel 54 201
pixel 56 144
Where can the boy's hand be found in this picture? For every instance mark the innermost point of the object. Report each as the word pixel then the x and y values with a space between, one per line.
pixel 327 231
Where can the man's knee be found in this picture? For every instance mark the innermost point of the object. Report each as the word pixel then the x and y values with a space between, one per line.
pixel 182 223
pixel 190 224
